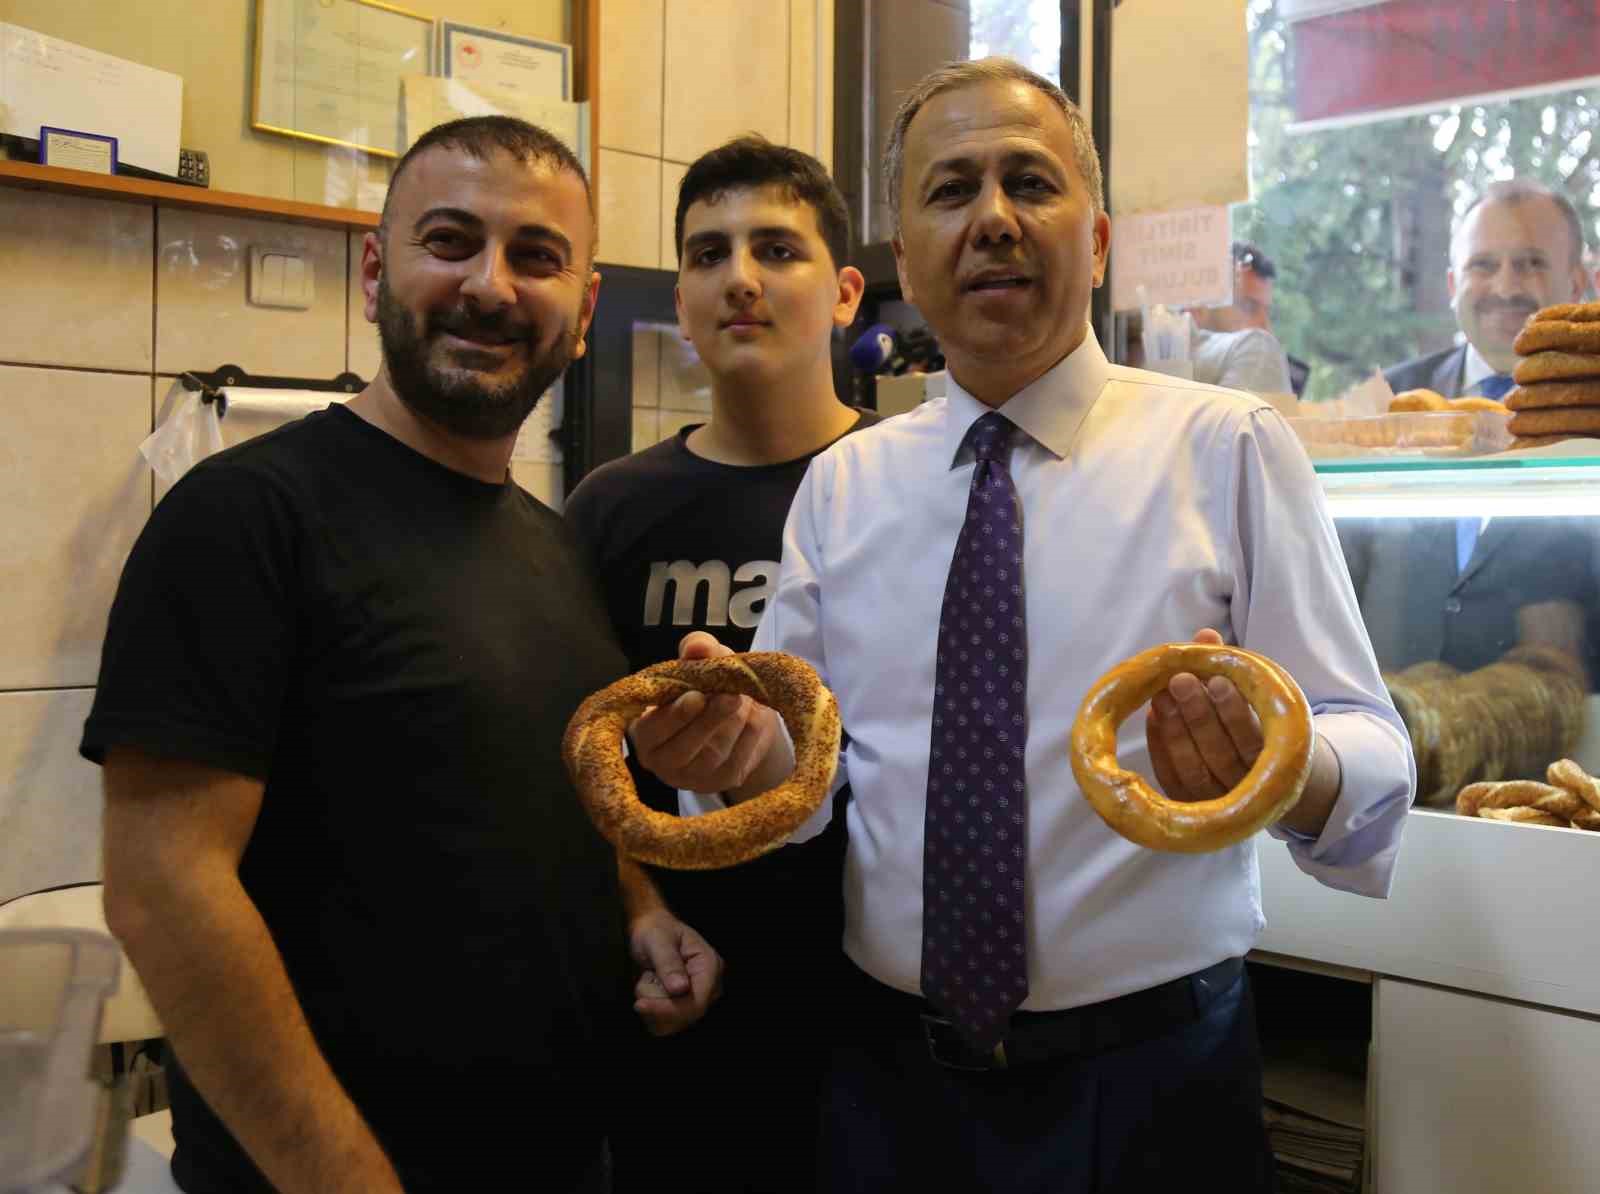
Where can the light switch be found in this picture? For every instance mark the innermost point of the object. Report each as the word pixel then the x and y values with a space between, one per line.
pixel 297 286
pixel 272 278
pixel 280 279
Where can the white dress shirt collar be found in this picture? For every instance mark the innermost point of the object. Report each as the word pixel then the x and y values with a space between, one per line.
pixel 1474 368
pixel 1050 409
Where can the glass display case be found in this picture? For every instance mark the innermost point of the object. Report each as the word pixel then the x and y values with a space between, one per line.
pixel 1477 584
pixel 1473 988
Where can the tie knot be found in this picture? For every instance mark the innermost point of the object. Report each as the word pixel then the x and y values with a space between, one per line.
pixel 990 436
pixel 1496 385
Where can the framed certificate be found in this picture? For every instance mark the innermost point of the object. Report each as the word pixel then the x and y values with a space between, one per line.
pixel 72 150
pixel 329 70
pixel 494 61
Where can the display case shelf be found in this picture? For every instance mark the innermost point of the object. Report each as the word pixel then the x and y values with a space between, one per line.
pixel 1505 485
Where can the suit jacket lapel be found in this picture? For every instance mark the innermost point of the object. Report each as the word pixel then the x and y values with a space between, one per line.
pixel 1447 377
pixel 1490 540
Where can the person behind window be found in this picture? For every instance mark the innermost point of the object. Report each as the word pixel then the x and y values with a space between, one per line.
pixel 1234 346
pixel 1464 591
pixel 1519 247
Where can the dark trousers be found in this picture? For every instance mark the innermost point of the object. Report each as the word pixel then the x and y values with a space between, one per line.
pixel 728 1106
pixel 1176 1110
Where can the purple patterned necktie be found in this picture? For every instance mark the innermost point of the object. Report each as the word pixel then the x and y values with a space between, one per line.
pixel 974 960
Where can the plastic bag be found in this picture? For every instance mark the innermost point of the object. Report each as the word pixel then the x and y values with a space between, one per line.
pixel 1167 336
pixel 190 432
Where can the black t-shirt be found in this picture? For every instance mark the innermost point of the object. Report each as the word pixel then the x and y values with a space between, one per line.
pixel 394 648
pixel 683 543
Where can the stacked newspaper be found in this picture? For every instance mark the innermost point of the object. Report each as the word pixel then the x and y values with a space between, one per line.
pixel 1316 1124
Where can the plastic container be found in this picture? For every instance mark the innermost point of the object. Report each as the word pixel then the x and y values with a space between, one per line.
pixel 53 984
pixel 1444 433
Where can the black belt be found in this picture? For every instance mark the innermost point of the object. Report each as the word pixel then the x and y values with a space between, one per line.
pixel 1035 1037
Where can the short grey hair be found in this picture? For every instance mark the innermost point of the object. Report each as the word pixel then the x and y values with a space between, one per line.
pixel 1518 190
pixel 954 75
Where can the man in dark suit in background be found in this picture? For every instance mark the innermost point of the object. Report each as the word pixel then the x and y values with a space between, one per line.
pixel 1466 590
pixel 1519 247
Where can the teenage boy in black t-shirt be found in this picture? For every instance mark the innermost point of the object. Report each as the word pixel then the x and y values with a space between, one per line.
pixel 686 536
pixel 340 846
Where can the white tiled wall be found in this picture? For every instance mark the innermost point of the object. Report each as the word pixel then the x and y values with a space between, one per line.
pixel 53 256
pixel 671 388
pixel 630 217
pixel 49 797
pixel 726 73
pixel 631 34
pixel 202 272
pixel 679 77
pixel 77 357
pixel 107 300
pixel 74 493
pixel 671 179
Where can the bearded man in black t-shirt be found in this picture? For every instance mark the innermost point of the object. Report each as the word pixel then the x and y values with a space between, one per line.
pixel 341 849
pixel 686 535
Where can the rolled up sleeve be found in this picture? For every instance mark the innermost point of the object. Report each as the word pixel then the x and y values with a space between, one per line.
pixel 1294 603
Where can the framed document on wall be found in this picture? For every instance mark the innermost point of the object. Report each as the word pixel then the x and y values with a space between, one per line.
pixel 495 61
pixel 329 71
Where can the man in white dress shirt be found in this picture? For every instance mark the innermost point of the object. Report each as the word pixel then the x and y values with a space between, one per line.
pixel 1148 508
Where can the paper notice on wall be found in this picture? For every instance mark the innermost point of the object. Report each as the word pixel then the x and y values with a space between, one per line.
pixel 48 81
pixel 534 441
pixel 1179 258
pixel 430 102
pixel 1180 106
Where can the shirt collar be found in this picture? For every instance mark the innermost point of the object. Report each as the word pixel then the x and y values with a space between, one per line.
pixel 1474 368
pixel 1050 409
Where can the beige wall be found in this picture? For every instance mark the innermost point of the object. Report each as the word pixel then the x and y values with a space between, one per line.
pixel 679 77
pixel 107 301
pixel 210 43
pixel 1180 106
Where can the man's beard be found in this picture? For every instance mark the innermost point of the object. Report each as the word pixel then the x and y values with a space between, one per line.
pixel 455 399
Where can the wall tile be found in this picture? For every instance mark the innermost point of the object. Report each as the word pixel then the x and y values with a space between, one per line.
pixel 646 364
pixel 241 422
pixel 824 82
pixel 630 218
pixel 673 421
pixel 363 355
pixel 803 75
pixel 75 492
pixel 727 72
pixel 685 382
pixel 540 479
pixel 925 34
pixel 77 276
pixel 203 318
pixel 671 179
pixel 630 75
pixel 646 424
pixel 49 797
